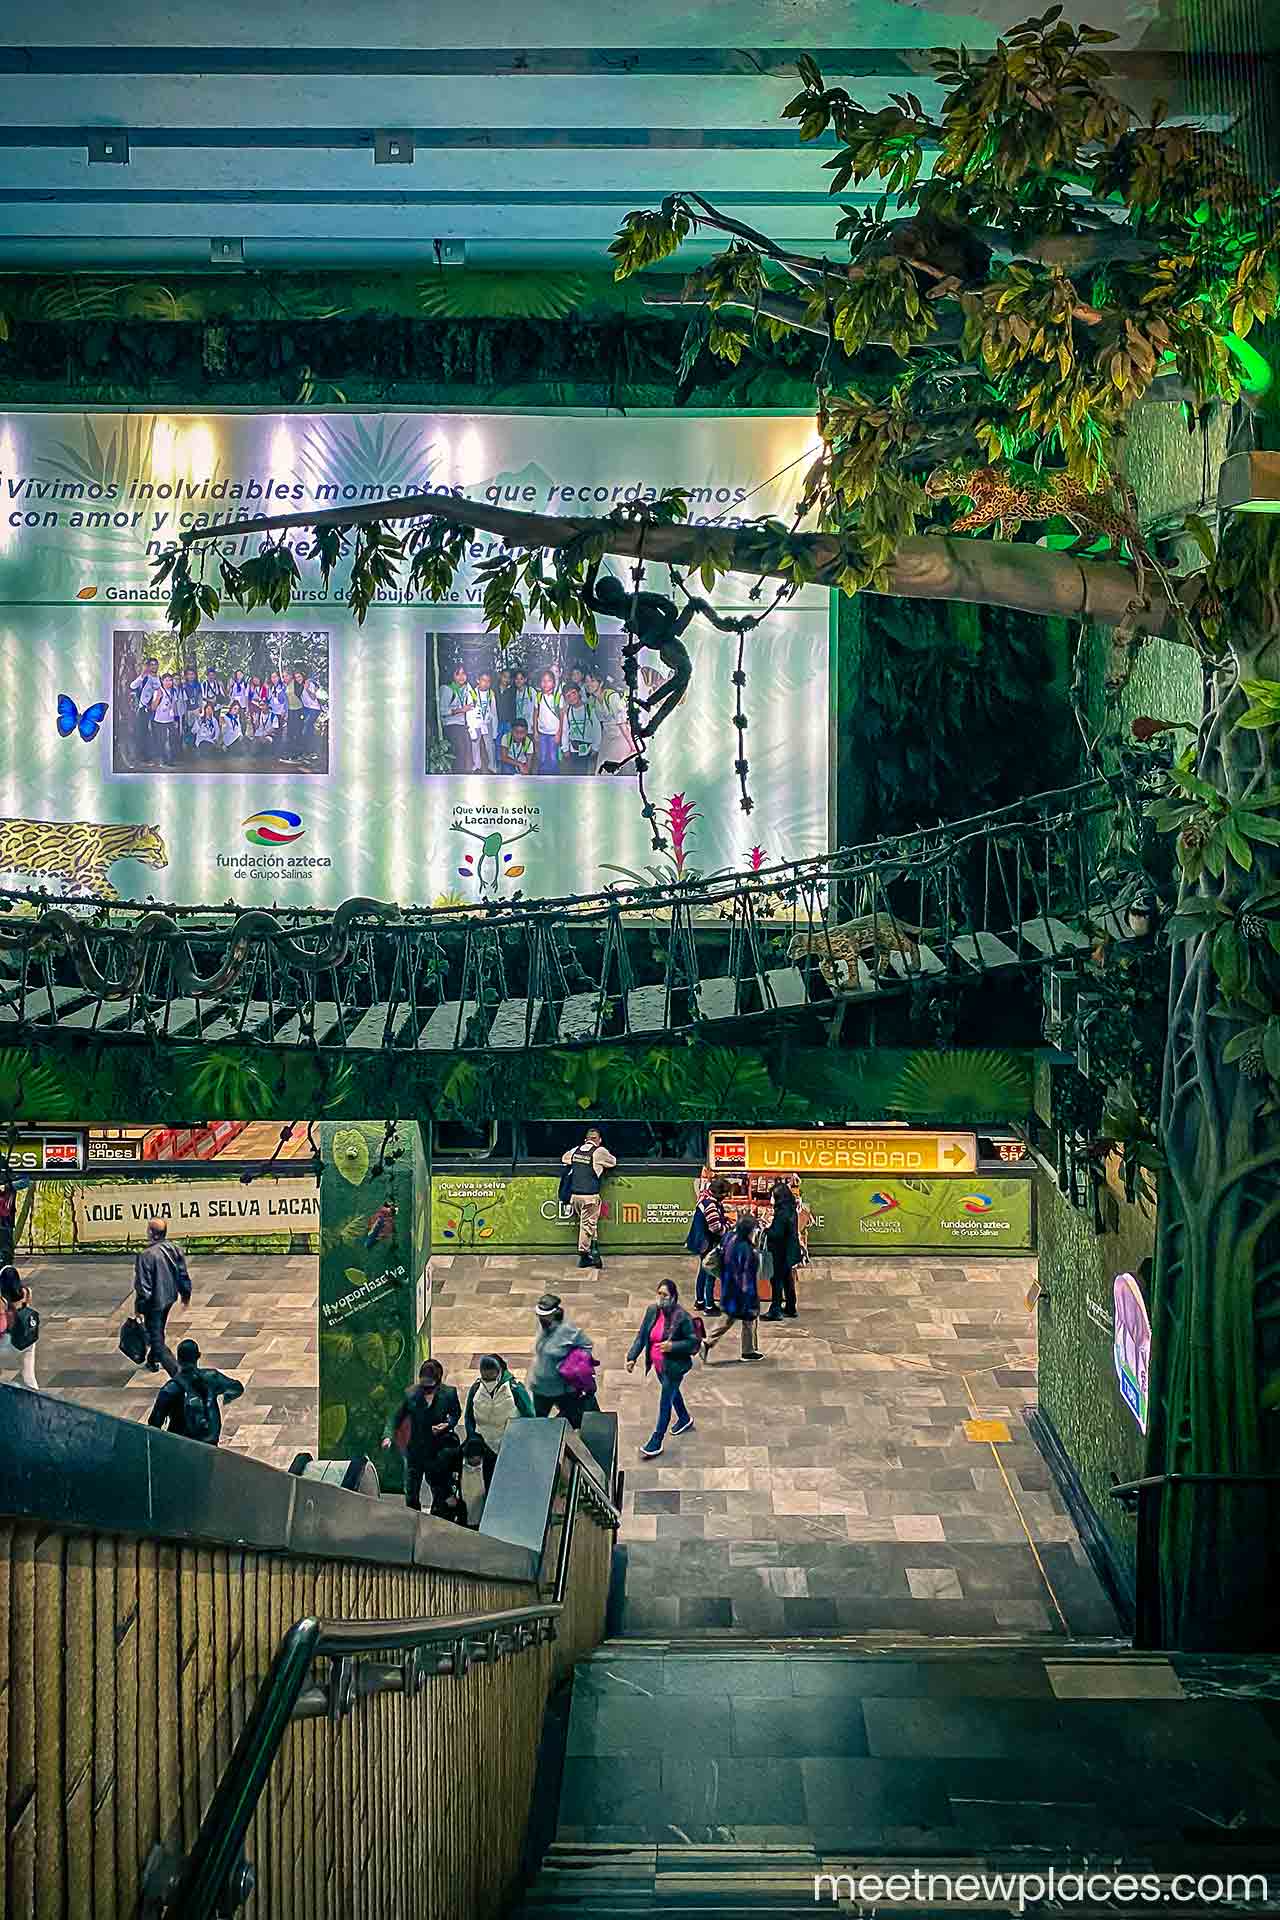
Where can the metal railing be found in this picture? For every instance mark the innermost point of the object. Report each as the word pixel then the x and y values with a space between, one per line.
pixel 215 1878
pixel 1144 1499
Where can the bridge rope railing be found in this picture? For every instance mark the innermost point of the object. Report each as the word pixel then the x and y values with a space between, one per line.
pixel 624 961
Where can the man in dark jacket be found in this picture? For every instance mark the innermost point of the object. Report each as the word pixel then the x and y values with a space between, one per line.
pixel 424 1426
pixel 159 1278
pixel 188 1404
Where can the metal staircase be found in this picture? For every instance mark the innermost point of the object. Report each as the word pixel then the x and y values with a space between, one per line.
pixel 1002 891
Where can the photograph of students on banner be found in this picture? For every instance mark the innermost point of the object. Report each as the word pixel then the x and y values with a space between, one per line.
pixel 545 707
pixel 223 701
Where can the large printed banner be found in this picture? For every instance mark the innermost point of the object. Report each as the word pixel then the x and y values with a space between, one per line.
pixel 301 759
pixel 119 1210
pixel 485 1213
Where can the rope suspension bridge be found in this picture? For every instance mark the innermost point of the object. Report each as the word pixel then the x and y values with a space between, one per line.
pixel 1029 884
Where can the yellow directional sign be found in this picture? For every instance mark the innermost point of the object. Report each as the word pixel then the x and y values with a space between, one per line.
pixel 891 1150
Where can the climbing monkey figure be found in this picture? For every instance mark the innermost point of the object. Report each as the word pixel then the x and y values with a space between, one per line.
pixel 653 621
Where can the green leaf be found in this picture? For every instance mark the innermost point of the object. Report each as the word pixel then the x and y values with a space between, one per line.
pixel 1271 1046
pixel 1238 847
pixel 1202 533
pixel 1239 1044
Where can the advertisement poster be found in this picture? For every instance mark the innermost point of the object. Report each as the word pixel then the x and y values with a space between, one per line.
pixel 490 1213
pixel 300 759
pixel 1131 1347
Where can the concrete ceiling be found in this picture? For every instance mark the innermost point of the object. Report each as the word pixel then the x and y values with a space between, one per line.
pixel 251 128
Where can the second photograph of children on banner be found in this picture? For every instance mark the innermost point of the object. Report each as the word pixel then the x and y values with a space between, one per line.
pixel 547 706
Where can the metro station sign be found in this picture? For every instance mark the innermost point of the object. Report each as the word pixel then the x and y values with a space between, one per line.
pixel 893 1150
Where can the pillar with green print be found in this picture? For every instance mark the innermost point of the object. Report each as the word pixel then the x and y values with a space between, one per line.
pixel 375 1299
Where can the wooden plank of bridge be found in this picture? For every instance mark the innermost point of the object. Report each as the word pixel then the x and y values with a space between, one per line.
pixel 371 1030
pixel 327 1031
pixel 41 1007
pixel 247 1023
pixel 1053 937
pixel 444 1031
pixel 924 961
pixel 785 987
pixel 983 952
pixel 515 1024
pixel 580 1016
pixel 647 1009
pixel 718 998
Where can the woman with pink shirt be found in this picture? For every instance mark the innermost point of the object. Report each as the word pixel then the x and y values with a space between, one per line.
pixel 668 1340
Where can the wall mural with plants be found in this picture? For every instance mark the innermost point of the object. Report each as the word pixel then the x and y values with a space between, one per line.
pixel 70 1076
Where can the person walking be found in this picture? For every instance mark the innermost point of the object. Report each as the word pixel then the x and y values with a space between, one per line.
pixel 8 1214
pixel 160 1278
pixel 669 1341
pixel 188 1404
pixel 714 1221
pixel 424 1427
pixel 554 1390
pixel 740 1286
pixel 782 1238
pixel 16 1325
pixel 495 1400
pixel 587 1166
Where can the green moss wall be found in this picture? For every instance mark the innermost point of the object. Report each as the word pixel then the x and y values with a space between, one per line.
pixel 1078 1389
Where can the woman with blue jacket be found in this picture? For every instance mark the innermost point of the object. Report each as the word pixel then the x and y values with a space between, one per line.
pixel 740 1286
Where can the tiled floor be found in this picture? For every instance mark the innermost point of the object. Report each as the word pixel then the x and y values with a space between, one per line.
pixel 253 1318
pixel 843 1484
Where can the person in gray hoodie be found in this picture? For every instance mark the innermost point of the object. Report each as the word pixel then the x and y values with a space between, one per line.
pixel 557 1338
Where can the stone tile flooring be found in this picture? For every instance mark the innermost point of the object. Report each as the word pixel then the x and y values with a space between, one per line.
pixel 253 1318
pixel 831 1488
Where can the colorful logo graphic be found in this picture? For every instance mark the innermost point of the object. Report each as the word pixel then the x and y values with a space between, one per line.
pixel 882 1203
pixel 977 1203
pixel 493 863
pixel 275 827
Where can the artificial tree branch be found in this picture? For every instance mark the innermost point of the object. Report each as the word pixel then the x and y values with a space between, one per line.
pixel 1028 579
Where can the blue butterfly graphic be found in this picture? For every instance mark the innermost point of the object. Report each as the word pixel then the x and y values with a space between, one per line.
pixel 71 720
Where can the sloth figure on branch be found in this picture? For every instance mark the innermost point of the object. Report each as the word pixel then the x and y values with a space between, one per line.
pixel 653 621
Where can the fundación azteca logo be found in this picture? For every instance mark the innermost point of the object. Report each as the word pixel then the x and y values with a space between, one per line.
pixel 977 1203
pixel 275 827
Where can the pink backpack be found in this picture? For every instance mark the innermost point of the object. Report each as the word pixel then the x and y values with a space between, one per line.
pixel 578 1370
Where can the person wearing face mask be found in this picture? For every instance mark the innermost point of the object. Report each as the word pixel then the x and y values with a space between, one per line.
pixel 669 1341
pixel 495 1400
pixel 554 1389
pixel 424 1427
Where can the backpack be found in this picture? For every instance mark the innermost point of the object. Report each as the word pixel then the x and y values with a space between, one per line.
pixel 24 1329
pixel 197 1409
pixel 566 1186
pixel 700 1330
pixel 699 1239
pixel 578 1370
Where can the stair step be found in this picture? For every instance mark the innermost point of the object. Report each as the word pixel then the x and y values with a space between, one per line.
pixel 444 1031
pixel 983 951
pixel 718 998
pixel 1051 936
pixel 515 1024
pixel 785 987
pixel 580 1016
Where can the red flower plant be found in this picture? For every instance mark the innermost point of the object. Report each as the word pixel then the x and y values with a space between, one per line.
pixel 758 858
pixel 679 812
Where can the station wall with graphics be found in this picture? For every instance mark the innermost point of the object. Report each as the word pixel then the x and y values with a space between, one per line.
pixel 332 759
pixel 488 1213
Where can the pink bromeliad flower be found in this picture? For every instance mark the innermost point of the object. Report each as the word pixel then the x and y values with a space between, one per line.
pixel 680 812
pixel 758 858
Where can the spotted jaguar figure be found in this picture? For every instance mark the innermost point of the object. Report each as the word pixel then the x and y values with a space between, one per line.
pixel 1007 500
pixel 79 853
pixel 873 939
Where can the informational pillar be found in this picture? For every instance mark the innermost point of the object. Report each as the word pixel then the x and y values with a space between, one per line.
pixel 375 1301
